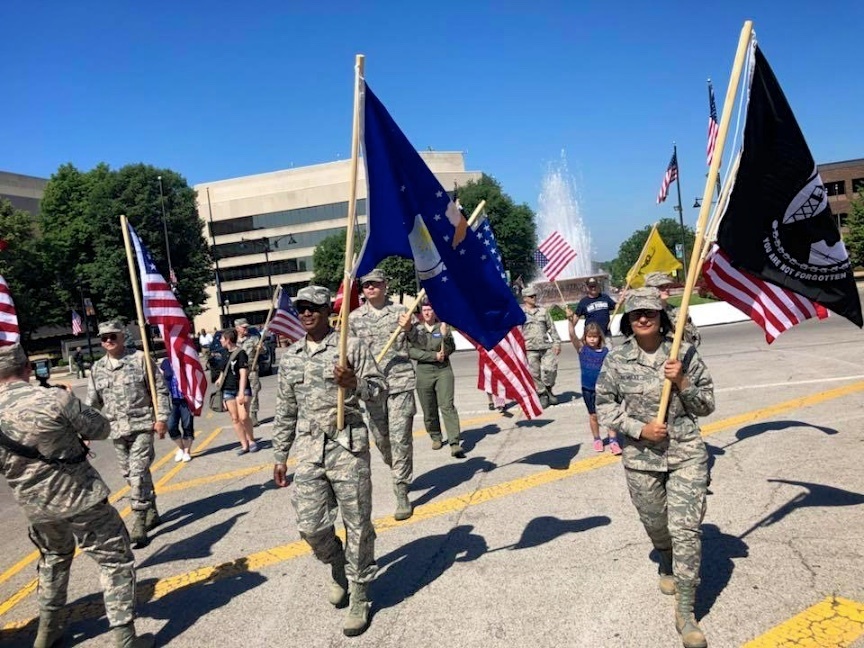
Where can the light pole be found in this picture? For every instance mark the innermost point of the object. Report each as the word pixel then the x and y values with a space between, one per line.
pixel 172 277
pixel 80 285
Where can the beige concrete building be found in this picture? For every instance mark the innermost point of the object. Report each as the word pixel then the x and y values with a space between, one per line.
pixel 264 229
pixel 24 192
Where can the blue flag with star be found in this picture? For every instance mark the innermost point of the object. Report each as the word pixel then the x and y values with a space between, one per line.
pixel 411 216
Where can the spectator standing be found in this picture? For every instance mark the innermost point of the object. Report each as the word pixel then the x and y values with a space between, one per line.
pixel 181 422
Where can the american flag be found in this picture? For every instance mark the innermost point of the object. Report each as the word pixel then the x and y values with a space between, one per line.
pixel 503 370
pixel 77 324
pixel 355 297
pixel 713 127
pixel 669 177
pixel 771 307
pixel 172 276
pixel 9 331
pixel 285 320
pixel 557 253
pixel 162 309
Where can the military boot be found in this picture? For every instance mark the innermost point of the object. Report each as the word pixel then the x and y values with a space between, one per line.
pixel 357 619
pixel 138 535
pixel 437 443
pixel 544 400
pixel 51 629
pixel 151 518
pixel 404 510
pixel 685 622
pixel 125 637
pixel 552 398
pixel 667 580
pixel 337 594
pixel 254 418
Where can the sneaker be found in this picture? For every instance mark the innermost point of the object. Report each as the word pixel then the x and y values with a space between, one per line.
pixel 242 451
pixel 253 447
pixel 614 448
pixel 186 457
pixel 178 456
pixel 598 445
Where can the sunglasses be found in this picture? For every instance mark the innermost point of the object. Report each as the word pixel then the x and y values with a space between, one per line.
pixel 108 337
pixel 647 313
pixel 371 284
pixel 302 307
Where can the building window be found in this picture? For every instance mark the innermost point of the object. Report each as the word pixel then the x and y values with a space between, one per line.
pixel 237 297
pixel 857 185
pixel 285 266
pixel 302 239
pixel 287 218
pixel 836 188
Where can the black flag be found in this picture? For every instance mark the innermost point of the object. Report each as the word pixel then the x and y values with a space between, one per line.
pixel 778 225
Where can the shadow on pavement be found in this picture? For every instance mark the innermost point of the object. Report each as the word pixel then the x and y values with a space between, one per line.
pixel 198 545
pixel 568 397
pixel 180 516
pixel 472 436
pixel 440 480
pixel 547 528
pixel 556 458
pixel 718 551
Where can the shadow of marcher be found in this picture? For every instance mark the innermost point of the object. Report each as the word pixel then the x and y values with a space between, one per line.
pixel 568 397
pixel 441 479
pixel 534 423
pixel 199 545
pixel 718 551
pixel 546 528
pixel 555 458
pixel 413 566
pixel 750 431
pixel 21 637
pixel 815 495
pixel 179 516
pixel 472 436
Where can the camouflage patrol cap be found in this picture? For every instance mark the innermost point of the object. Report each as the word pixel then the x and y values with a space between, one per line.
pixel 643 299
pixel 241 321
pixel 529 291
pixel 375 275
pixel 318 295
pixel 11 358
pixel 111 326
pixel 658 279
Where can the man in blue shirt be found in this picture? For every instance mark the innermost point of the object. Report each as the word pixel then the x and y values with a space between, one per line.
pixel 596 307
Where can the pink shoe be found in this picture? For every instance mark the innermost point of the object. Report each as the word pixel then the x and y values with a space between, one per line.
pixel 598 445
pixel 614 448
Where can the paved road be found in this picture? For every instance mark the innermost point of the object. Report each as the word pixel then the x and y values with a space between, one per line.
pixel 529 541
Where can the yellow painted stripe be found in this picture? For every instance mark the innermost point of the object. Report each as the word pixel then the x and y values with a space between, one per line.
pixel 833 623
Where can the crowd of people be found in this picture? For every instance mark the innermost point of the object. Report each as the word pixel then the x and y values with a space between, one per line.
pixel 389 357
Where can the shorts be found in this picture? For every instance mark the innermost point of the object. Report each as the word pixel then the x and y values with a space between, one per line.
pixel 590 398
pixel 232 395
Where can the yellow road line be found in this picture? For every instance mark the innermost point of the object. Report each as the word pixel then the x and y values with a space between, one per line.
pixel 262 559
pixel 833 623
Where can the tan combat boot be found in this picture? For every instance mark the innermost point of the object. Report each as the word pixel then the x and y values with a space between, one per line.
pixel 151 518
pixel 337 594
pixel 125 637
pixel 404 510
pixel 691 634
pixel 138 534
pixel 357 619
pixel 51 628
pixel 667 580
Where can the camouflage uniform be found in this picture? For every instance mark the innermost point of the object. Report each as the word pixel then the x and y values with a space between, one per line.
pixel 667 480
pixel 390 421
pixel 537 330
pixel 331 464
pixel 67 502
pixel 691 333
pixel 435 382
pixel 249 344
pixel 123 395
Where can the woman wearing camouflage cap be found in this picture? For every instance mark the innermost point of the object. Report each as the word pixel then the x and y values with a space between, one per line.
pixel 665 464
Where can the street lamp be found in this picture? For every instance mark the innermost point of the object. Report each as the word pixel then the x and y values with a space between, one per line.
pixel 80 285
pixel 172 277
pixel 265 242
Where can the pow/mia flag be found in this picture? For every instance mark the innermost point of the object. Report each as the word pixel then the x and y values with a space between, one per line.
pixel 778 225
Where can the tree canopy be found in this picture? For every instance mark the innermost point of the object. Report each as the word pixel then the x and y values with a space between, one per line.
pixel 854 238
pixel 629 251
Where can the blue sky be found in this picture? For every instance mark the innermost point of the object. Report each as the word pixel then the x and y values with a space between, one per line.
pixel 222 89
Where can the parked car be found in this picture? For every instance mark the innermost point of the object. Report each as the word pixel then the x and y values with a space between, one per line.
pixel 266 358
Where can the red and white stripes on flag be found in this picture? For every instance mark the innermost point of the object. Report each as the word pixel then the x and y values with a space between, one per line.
pixel 286 321
pixel 162 309
pixel 713 126
pixel 558 254
pixel 77 324
pixel 773 308
pixel 9 332
pixel 503 372
pixel 669 177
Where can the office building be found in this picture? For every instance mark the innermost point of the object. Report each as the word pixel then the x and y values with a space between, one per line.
pixel 24 192
pixel 843 182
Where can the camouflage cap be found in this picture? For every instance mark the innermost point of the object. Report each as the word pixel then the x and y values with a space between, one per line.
pixel 241 321
pixel 375 275
pixel 643 299
pixel 658 279
pixel 529 291
pixel 111 326
pixel 318 295
pixel 12 357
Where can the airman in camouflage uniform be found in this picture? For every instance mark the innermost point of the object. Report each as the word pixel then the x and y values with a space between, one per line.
pixel 44 459
pixel 666 464
pixel 118 386
pixel 249 343
pixel 661 281
pixel 391 421
pixel 543 344
pixel 333 466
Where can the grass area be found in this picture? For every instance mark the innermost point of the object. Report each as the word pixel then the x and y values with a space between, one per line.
pixel 675 300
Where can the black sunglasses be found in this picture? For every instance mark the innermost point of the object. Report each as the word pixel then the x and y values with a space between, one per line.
pixel 367 284
pixel 302 307
pixel 647 313
pixel 108 336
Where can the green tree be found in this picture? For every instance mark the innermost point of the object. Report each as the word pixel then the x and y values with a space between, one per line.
pixel 83 240
pixel 854 238
pixel 629 251
pixel 513 224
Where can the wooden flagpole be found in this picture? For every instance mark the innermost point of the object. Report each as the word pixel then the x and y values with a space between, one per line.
pixel 359 76
pixel 420 295
pixel 714 223
pixel 260 344
pixel 710 182
pixel 139 309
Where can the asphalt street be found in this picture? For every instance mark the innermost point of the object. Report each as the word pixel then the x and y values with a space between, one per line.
pixel 531 540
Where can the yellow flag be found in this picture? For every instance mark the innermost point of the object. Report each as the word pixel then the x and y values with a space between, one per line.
pixel 655 257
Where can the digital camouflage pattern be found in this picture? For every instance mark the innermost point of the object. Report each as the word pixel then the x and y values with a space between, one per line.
pixel 541 342
pixel 668 481
pixel 249 344
pixel 65 503
pixel 691 333
pixel 435 381
pixel 329 461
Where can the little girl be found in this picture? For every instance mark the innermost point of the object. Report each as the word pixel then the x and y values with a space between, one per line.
pixel 592 351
